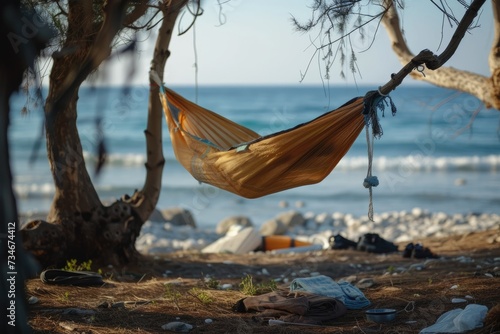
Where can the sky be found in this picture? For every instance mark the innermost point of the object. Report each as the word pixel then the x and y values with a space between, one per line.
pixel 258 45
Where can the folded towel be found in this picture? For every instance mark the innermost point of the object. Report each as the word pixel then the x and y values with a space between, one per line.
pixel 323 285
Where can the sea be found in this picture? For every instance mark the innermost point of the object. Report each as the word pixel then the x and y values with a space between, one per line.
pixel 440 152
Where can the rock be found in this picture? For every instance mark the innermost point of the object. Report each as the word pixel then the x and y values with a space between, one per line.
pixel 338 216
pixel 291 219
pixel 177 326
pixel 156 216
pixel 225 224
pixel 365 283
pixel 417 212
pixel 458 300
pixel 416 266
pixel 179 217
pixel 283 204
pixel 324 219
pixel 300 204
pixel 349 279
pixel 32 300
pixel 273 227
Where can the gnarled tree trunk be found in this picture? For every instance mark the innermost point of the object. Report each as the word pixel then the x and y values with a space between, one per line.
pixel 79 226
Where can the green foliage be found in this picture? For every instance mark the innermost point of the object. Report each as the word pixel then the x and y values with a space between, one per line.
pixel 201 295
pixel 212 283
pixel 65 296
pixel 72 265
pixel 248 287
pixel 172 294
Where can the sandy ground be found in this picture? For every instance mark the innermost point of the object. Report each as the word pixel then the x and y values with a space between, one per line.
pixel 154 291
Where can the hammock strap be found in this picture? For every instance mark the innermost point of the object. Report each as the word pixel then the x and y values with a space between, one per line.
pixel 370 180
pixel 373 102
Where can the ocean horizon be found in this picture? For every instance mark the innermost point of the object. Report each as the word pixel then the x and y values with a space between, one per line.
pixel 436 153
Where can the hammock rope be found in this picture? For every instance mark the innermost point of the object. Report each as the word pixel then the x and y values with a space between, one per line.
pixel 374 101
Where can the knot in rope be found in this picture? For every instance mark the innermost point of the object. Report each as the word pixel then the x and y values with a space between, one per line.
pixel 428 58
pixel 370 181
pixel 373 102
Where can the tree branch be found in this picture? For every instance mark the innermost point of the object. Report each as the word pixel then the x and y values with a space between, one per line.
pixel 136 13
pixel 494 58
pixel 425 57
pixel 145 201
pixel 459 34
pixel 114 13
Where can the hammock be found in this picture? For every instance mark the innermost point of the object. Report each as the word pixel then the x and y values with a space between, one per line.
pixel 229 156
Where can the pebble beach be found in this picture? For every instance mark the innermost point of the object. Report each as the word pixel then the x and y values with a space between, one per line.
pixel 161 236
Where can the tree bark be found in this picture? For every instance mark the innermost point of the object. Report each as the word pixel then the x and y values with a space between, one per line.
pixel 145 200
pixel 484 88
pixel 79 226
pixel 494 57
pixel 74 192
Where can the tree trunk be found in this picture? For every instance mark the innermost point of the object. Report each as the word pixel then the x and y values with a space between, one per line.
pixel 80 226
pixel 485 89
pixel 74 191
pixel 145 200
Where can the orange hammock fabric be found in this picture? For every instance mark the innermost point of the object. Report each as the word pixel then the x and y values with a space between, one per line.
pixel 229 156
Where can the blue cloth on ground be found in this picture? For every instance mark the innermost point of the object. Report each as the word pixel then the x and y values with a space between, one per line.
pixel 323 285
pixel 458 320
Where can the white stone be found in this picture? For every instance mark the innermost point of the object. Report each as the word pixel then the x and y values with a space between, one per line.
pixel 338 216
pixel 300 204
pixel 458 300
pixel 283 204
pixel 417 212
pixel 32 300
pixel 324 218
pixel 224 225
pixel 177 326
